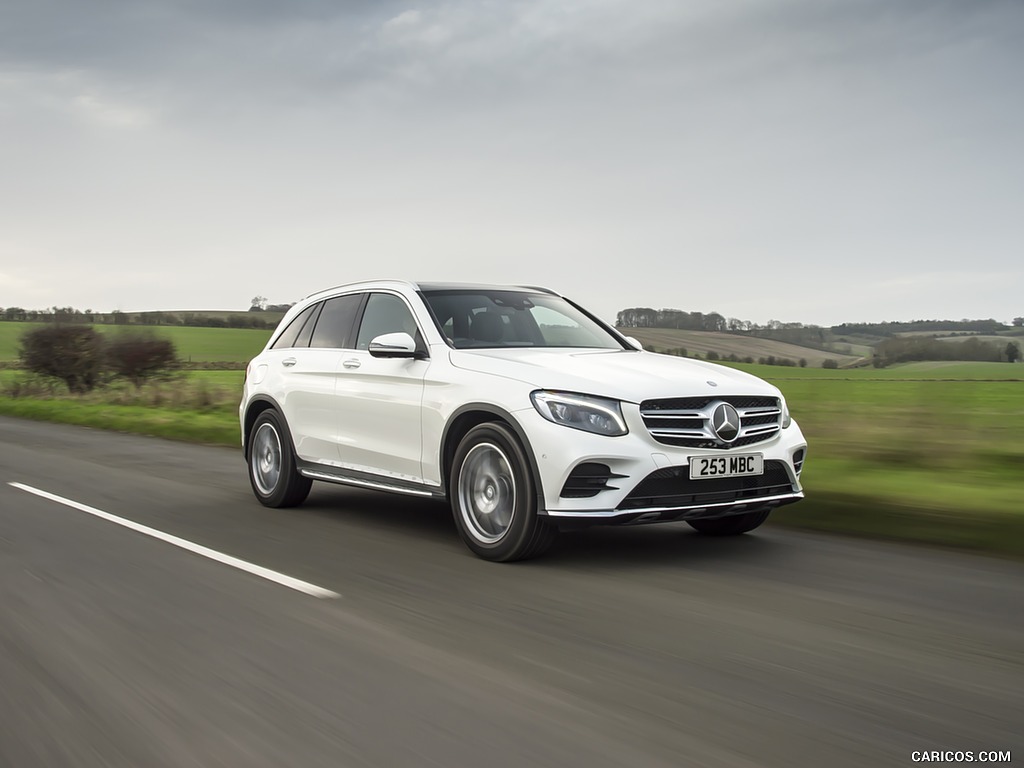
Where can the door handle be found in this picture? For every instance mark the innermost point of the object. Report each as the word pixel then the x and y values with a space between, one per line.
pixel 352 363
pixel 288 362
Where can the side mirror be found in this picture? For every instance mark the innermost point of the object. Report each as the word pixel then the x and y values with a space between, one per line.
pixel 393 345
pixel 635 344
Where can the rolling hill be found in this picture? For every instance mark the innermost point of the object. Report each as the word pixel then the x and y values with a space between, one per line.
pixel 702 342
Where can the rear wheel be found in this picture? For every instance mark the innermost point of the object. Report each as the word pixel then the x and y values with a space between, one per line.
pixel 275 479
pixel 733 525
pixel 493 496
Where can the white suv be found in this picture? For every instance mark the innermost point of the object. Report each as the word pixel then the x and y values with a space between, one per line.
pixel 523 410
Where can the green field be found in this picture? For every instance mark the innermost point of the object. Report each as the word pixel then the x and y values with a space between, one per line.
pixel 927 452
pixel 237 345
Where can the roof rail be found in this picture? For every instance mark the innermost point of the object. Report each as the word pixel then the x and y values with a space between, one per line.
pixel 358 282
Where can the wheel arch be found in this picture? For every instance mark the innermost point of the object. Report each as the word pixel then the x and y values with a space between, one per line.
pixel 471 415
pixel 256 406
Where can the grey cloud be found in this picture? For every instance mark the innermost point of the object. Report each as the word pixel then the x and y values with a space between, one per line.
pixel 198 51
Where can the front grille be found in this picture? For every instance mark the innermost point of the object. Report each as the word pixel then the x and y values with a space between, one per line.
pixel 672 487
pixel 686 421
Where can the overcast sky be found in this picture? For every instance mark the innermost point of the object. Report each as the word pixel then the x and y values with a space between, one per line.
pixel 798 160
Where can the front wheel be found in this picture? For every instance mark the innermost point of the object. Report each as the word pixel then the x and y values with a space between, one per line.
pixel 275 479
pixel 733 525
pixel 493 496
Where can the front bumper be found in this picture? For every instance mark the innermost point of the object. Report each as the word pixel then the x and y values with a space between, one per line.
pixel 648 481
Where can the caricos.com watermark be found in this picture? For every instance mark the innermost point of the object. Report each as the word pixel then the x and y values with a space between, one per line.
pixel 960 756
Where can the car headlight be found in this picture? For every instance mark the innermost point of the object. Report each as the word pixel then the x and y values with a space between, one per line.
pixel 786 418
pixel 591 414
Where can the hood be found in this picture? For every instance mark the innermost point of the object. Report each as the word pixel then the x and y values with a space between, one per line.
pixel 617 374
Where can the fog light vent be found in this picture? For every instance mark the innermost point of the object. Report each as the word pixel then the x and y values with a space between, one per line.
pixel 587 480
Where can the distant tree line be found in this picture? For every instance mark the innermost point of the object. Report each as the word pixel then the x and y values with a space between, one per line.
pixel 989 326
pixel 69 315
pixel 732 357
pixel 259 304
pixel 905 349
pixel 646 317
pixel 60 314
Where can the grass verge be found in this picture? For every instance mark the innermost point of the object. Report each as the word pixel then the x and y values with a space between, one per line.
pixel 213 427
pixel 987 531
pixel 197 406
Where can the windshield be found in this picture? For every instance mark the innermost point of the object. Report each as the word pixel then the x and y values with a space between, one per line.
pixel 481 318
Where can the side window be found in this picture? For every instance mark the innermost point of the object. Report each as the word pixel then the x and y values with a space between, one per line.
pixel 302 340
pixel 334 326
pixel 287 339
pixel 385 313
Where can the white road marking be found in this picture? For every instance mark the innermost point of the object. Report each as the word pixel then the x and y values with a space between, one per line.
pixel 212 554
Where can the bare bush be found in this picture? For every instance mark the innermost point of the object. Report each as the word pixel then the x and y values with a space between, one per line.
pixel 139 357
pixel 72 353
pixel 903 349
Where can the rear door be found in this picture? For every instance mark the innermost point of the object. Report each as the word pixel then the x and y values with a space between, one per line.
pixel 310 368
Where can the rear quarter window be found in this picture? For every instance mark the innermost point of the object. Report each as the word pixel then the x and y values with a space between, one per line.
pixel 291 333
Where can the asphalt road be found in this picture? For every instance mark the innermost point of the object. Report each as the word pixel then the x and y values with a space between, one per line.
pixel 623 647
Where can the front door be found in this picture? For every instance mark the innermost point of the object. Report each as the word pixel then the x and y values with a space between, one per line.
pixel 379 400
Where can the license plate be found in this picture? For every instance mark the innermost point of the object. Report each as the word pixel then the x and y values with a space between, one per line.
pixel 707 467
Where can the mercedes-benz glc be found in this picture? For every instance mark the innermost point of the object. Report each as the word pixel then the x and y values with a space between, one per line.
pixel 520 408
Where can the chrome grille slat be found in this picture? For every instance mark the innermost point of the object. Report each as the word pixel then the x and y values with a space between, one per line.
pixel 663 415
pixel 760 429
pixel 675 414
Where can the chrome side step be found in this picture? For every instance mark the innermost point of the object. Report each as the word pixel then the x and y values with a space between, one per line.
pixel 377 485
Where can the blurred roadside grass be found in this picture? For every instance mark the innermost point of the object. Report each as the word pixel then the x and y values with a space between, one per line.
pixel 194 406
pixel 940 462
pixel 933 461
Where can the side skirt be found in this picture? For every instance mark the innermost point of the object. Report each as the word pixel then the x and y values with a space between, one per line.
pixel 367 480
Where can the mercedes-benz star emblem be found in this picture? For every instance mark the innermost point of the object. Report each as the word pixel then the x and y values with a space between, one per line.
pixel 725 422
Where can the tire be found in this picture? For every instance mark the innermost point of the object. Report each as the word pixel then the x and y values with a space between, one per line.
pixel 275 480
pixel 733 525
pixel 494 498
